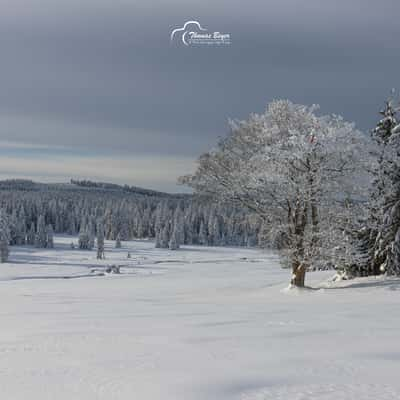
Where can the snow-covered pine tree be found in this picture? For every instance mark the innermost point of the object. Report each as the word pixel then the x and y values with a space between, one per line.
pixel 22 224
pixel 158 239
pixel 179 223
pixel 159 217
pixel 17 228
pixel 58 224
pixel 21 229
pixel 13 228
pixel 41 233
pixel 4 236
pixel 174 240
pixel 385 200
pixel 30 238
pixel 202 234
pixel 71 225
pixel 140 229
pixel 84 238
pixel 92 234
pixel 118 241
pixel 50 236
pixel 165 236
pixel 216 231
pixel 100 241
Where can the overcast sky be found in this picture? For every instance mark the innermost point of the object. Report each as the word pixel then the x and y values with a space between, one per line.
pixel 94 89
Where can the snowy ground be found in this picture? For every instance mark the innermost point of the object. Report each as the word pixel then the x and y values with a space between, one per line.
pixel 196 324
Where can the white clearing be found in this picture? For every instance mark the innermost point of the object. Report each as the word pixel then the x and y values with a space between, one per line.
pixel 194 324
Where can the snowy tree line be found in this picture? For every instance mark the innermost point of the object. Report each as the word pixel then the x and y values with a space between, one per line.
pixel 33 213
pixel 328 195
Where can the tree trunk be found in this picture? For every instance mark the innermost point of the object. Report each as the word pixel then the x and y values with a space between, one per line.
pixel 297 224
pixel 299 274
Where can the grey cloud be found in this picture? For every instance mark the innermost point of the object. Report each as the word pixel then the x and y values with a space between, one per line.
pixel 103 76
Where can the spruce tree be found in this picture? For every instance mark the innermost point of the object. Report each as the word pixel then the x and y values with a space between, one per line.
pixel 92 234
pixel 30 238
pixel 100 241
pixel 118 241
pixel 84 238
pixel 13 228
pixel 50 236
pixel 21 228
pixel 41 233
pixel 173 242
pixel 165 237
pixel 4 237
pixel 178 224
pixel 202 234
pixel 158 239
pixel 385 201
pixel 71 225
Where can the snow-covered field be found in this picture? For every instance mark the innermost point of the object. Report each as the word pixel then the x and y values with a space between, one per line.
pixel 195 324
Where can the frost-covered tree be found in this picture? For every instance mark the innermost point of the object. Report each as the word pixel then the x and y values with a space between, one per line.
pixel 293 169
pixel 202 234
pixel 30 238
pixel 92 234
pixel 118 241
pixel 158 239
pixel 100 241
pixel 165 236
pixel 4 236
pixel 384 229
pixel 174 240
pixel 17 228
pixel 71 225
pixel 84 238
pixel 177 232
pixel 13 228
pixel 21 229
pixel 178 224
pixel 41 233
pixel 50 236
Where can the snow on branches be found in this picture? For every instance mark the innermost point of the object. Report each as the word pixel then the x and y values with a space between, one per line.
pixel 298 171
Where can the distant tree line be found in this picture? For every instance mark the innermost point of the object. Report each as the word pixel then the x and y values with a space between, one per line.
pixel 33 213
